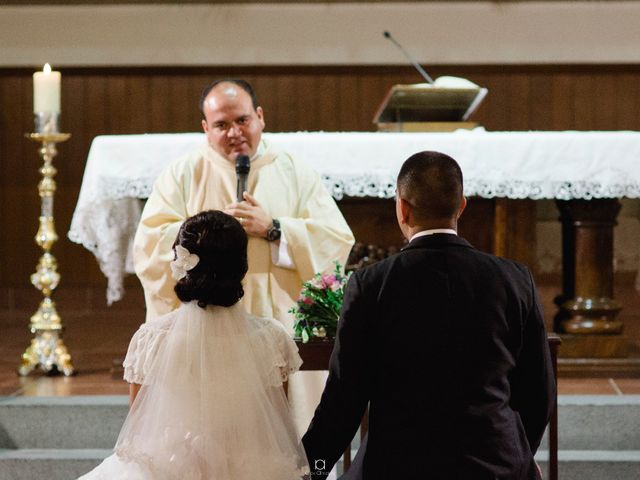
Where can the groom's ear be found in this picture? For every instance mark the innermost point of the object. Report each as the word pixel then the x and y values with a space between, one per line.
pixel 463 205
pixel 404 211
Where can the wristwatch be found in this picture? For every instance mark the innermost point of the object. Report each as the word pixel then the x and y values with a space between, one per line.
pixel 274 233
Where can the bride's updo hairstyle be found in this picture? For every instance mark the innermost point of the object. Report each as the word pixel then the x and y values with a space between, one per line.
pixel 221 243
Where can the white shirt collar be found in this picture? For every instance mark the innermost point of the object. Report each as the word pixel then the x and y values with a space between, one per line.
pixel 432 231
pixel 262 147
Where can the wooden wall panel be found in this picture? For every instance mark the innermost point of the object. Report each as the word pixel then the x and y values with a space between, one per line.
pixel 327 89
pixel 94 112
pixel 287 98
pixel 583 102
pixel 627 102
pixel 562 95
pixel 604 102
pixel 349 102
pixel 157 103
pixel 519 95
pixel 496 107
pixel 98 101
pixel 183 104
pixel 306 111
pixel 540 100
pixel 373 86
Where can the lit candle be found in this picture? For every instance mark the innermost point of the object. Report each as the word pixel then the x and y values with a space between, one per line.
pixel 46 91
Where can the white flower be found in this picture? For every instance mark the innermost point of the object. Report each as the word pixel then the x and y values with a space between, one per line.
pixel 184 262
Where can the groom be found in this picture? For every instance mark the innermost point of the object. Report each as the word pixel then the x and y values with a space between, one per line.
pixel 447 346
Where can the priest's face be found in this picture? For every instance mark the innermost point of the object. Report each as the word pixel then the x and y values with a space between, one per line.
pixel 232 125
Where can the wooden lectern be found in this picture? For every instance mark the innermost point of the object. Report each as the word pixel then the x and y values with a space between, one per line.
pixel 424 107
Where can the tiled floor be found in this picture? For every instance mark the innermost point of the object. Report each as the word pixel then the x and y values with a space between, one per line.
pixel 598 386
pixel 97 338
pixel 85 383
pixel 102 382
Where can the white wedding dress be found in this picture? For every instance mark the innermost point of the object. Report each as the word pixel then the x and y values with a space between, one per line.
pixel 211 406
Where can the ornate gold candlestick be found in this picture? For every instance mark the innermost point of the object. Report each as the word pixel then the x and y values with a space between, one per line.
pixel 47 349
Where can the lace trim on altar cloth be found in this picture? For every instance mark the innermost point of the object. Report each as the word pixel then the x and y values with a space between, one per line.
pixel 126 188
pixel 385 187
pixel 360 186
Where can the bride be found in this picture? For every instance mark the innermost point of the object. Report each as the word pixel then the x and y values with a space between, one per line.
pixel 206 379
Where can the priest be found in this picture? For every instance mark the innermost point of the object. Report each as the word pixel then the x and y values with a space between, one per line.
pixel 294 226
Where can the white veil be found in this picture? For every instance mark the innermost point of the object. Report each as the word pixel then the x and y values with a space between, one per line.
pixel 212 405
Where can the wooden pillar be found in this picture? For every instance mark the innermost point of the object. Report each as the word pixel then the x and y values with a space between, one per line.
pixel 587 310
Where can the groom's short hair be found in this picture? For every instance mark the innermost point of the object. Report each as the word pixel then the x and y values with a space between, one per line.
pixel 431 182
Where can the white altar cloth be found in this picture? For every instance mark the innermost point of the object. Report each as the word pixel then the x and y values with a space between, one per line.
pixel 121 169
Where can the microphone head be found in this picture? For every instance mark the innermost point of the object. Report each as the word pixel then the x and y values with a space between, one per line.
pixel 386 34
pixel 243 164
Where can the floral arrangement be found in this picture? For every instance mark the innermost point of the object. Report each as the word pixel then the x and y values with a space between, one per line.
pixel 318 308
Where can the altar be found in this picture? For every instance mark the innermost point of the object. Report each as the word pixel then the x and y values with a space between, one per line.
pixel 585 172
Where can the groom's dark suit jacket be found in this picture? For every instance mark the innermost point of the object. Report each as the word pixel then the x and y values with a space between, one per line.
pixel 447 346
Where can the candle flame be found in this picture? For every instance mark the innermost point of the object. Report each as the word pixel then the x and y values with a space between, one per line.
pixel 47 68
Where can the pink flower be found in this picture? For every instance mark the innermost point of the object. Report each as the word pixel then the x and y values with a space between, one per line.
pixel 306 300
pixel 316 282
pixel 328 280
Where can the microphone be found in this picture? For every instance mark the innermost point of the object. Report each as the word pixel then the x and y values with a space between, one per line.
pixel 424 74
pixel 243 165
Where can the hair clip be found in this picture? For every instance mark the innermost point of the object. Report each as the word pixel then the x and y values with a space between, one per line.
pixel 184 262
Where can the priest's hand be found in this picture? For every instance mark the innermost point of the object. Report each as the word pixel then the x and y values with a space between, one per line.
pixel 254 219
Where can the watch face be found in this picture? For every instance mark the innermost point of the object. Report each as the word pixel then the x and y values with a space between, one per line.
pixel 274 232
